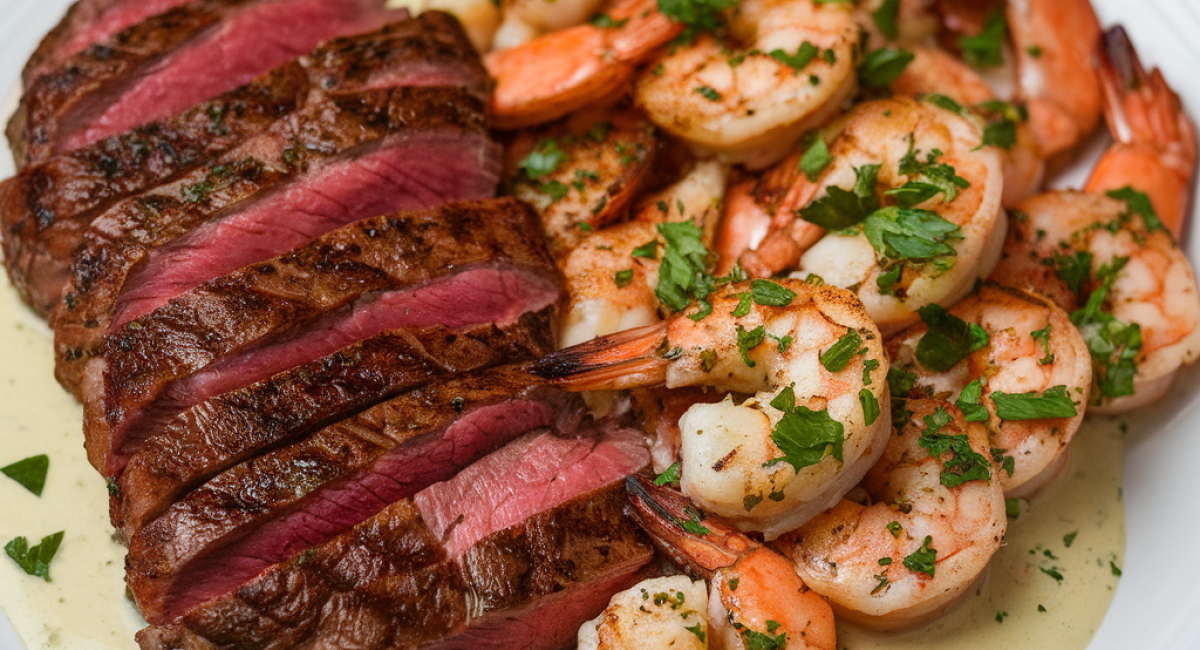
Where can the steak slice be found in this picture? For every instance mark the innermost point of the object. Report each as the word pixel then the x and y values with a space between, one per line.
pixel 365 155
pixel 46 208
pixel 456 265
pixel 390 583
pixel 225 430
pixel 173 61
pixel 88 22
pixel 271 508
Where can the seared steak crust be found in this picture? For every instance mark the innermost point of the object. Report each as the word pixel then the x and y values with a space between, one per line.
pixel 388 584
pixel 122 238
pixel 46 208
pixel 268 509
pixel 315 286
pixel 219 433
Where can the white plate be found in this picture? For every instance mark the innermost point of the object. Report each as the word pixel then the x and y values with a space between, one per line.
pixel 1157 604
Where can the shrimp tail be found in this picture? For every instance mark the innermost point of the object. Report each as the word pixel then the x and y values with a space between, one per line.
pixel 630 359
pixel 1152 132
pixel 681 530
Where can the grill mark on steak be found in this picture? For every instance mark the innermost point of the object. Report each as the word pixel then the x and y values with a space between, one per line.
pixel 88 22
pixel 45 209
pixel 172 61
pixel 388 583
pixel 237 212
pixel 223 431
pixel 268 510
pixel 491 251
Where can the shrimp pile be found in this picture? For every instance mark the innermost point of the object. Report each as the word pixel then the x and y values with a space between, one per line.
pixel 808 251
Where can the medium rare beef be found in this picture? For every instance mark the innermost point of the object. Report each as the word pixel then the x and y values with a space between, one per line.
pixel 173 61
pixel 88 22
pixel 46 208
pixel 456 265
pixel 391 583
pixel 361 156
pixel 225 430
pixel 271 508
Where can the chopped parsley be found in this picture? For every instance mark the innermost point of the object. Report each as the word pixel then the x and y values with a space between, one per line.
pixel 692 524
pixel 970 402
pixel 1072 269
pixel 743 306
pixel 605 21
pixel 748 340
pixel 870 406
pixel 698 630
pixel 816 157
pixel 649 250
pixel 965 464
pixel 30 472
pixel 1001 129
pixel 881 67
pixel 1005 462
pixel 34 560
pixel 841 208
pixel 949 339
pixel 905 236
pixel 922 560
pixel 804 436
pixel 986 49
pixel 1140 205
pixel 885 18
pixel 1051 403
pixel 798 61
pixel 697 16
pixel 931 171
pixel 771 294
pixel 709 93
pixel 1043 336
pixel 543 160
pixel 623 278
pixel 1114 345
pixel 842 351
pixel 683 274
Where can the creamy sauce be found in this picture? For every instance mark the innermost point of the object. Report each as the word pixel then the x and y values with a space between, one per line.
pixel 84 606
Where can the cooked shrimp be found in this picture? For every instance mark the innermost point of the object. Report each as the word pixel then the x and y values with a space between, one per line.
pixel 654 614
pixel 952 237
pixel 525 20
pixel 611 274
pixel 914 21
pixel 813 363
pixel 935 71
pixel 751 105
pixel 935 517
pixel 1155 149
pixel 755 596
pixel 1054 43
pixel 582 175
pixel 556 74
pixel 1031 351
pixel 1129 288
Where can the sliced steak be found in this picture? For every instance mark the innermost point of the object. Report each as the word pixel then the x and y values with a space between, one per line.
pixel 46 208
pixel 171 62
pixel 88 22
pixel 271 508
pixel 373 153
pixel 391 583
pixel 225 430
pixel 456 265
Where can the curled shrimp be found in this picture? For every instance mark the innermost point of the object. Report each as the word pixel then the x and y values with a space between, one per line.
pixel 611 273
pixel 816 421
pixel 754 593
pixel 1032 350
pixel 669 612
pixel 581 175
pixel 751 105
pixel 1155 149
pixel 881 147
pixel 934 518
pixel 561 72
pixel 935 71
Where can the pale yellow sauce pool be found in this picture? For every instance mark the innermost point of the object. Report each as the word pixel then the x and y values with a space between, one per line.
pixel 84 606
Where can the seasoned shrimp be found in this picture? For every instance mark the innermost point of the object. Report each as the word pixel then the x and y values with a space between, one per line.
pixel 751 105
pixel 1155 149
pixel 756 600
pixel 653 614
pixel 811 358
pixel 913 21
pixel 935 71
pixel 935 518
pixel 561 72
pixel 582 175
pixel 1028 382
pixel 939 229
pixel 611 274
pixel 1129 288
